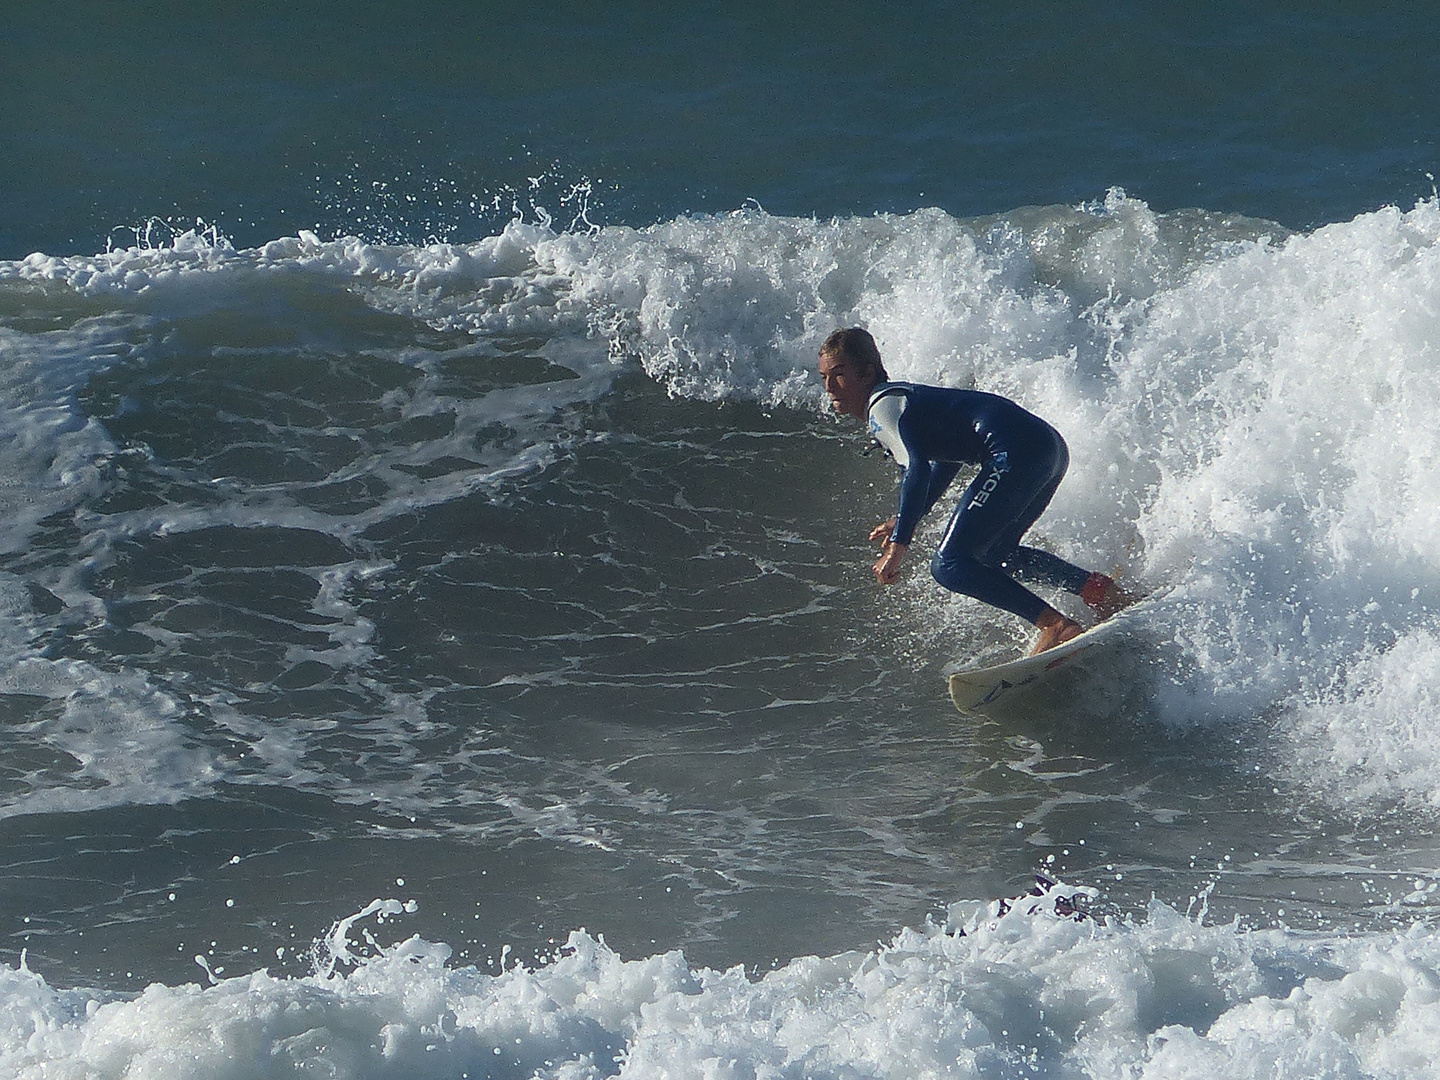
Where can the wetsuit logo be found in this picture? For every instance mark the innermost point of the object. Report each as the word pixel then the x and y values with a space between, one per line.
pixel 999 466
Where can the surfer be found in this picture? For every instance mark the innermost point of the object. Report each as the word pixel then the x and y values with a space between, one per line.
pixel 931 431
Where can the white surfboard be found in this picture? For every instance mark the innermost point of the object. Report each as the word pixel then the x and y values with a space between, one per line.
pixel 976 689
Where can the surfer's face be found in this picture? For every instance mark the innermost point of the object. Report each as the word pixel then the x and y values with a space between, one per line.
pixel 848 384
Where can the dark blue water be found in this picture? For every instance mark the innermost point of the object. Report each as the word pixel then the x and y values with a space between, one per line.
pixel 403 127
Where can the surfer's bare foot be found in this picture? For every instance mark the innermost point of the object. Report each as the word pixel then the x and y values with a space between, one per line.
pixel 1104 597
pixel 1055 629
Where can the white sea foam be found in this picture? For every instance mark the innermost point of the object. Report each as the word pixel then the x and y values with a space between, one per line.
pixel 496 285
pixel 1250 417
pixel 107 739
pixel 49 449
pixel 1032 991
pixel 1280 399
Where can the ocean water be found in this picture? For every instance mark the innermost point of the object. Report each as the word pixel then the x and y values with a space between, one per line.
pixel 438 638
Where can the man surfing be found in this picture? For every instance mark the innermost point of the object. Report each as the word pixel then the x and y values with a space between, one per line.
pixel 931 431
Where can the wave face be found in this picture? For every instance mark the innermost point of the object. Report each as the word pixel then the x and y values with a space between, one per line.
pixel 1248 410
pixel 532 571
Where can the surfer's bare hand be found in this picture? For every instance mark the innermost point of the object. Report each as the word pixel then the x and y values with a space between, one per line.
pixel 881 533
pixel 887 567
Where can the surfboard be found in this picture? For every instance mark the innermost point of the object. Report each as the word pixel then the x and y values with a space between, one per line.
pixel 976 689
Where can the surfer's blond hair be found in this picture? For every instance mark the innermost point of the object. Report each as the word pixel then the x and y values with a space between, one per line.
pixel 857 346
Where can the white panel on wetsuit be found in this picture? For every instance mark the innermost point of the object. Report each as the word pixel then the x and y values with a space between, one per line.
pixel 885 426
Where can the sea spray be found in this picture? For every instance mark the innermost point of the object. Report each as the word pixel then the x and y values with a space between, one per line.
pixel 1019 985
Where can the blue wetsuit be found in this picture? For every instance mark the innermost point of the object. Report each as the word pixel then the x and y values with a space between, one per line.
pixel 931 431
